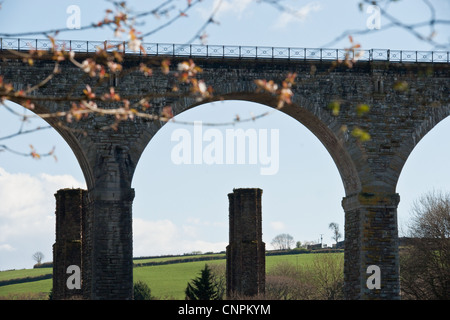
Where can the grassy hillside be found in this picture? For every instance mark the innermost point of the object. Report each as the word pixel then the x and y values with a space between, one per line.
pixel 23 273
pixel 170 281
pixel 166 281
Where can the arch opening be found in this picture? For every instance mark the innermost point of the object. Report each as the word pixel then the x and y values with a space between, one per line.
pixel 27 215
pixel 175 200
pixel 425 170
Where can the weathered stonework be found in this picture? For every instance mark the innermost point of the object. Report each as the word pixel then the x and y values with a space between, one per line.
pixel 246 256
pixel 108 248
pixel 70 212
pixel 397 121
pixel 371 239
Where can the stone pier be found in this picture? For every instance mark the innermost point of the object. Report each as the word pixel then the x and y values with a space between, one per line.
pixel 246 269
pixel 67 250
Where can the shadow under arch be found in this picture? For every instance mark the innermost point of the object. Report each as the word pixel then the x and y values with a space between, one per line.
pixel 320 127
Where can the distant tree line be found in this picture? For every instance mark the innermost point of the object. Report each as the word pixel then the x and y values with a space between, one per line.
pixel 285 241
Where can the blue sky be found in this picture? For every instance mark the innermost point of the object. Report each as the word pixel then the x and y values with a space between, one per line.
pixel 184 208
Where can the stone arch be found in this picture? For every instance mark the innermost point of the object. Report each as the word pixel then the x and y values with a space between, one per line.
pixel 334 184
pixel 320 127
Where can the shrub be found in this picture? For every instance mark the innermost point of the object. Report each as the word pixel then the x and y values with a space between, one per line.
pixel 142 291
pixel 287 282
pixel 321 280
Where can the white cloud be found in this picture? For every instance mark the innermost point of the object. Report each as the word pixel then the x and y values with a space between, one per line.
pixel 24 196
pixel 190 231
pixel 153 236
pixel 27 212
pixel 163 237
pixel 301 14
pixel 193 220
pixel 6 247
pixel 234 7
pixel 240 9
pixel 277 225
pixel 206 223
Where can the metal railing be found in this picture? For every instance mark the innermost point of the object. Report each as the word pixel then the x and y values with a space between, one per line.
pixel 217 51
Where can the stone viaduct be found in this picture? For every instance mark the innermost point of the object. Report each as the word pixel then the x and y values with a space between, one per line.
pixel 397 121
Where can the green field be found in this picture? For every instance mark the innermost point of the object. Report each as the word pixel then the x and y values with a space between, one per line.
pixel 23 273
pixel 170 281
pixel 165 281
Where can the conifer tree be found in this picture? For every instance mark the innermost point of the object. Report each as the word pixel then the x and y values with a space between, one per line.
pixel 202 287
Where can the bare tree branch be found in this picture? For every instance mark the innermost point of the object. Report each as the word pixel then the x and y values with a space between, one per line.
pixel 394 22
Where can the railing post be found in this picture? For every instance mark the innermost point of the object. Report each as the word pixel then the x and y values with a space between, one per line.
pixel 18 44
